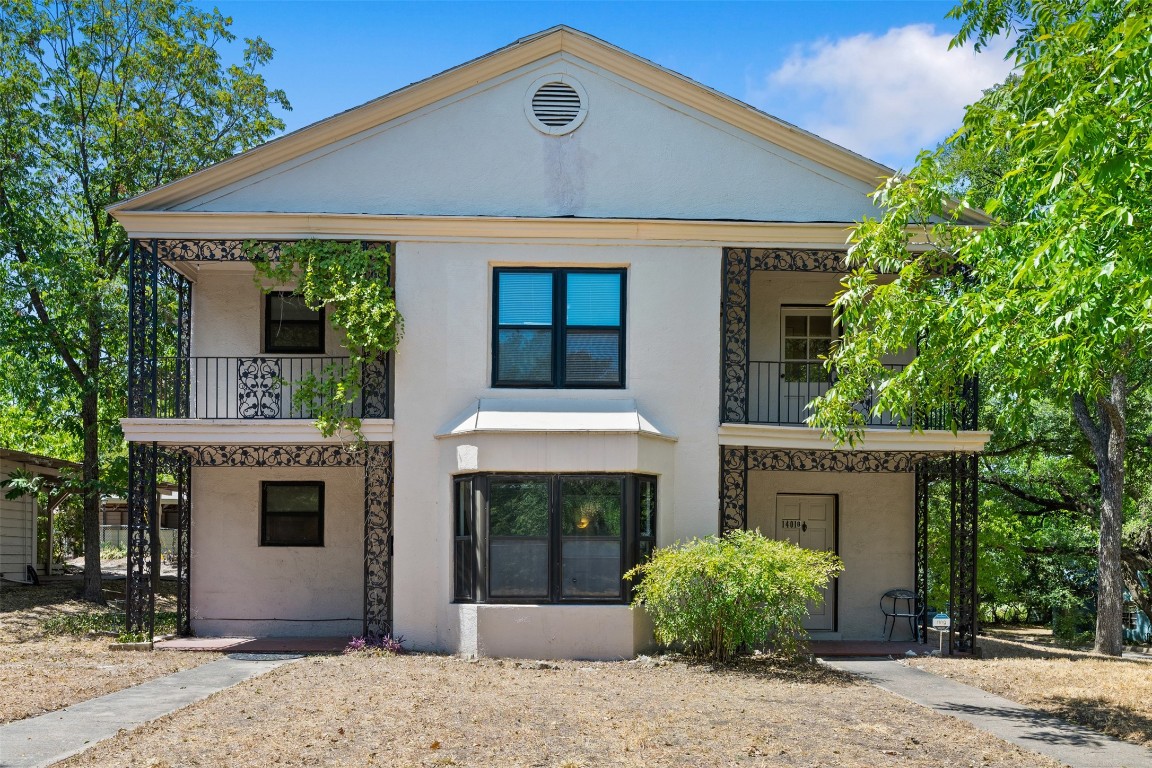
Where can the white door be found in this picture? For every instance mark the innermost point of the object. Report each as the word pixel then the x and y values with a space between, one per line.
pixel 810 522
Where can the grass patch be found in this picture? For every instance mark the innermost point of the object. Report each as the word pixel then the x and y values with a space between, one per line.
pixel 653 712
pixel 1113 696
pixel 101 622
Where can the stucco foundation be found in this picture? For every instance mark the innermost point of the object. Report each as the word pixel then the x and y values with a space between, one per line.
pixel 600 632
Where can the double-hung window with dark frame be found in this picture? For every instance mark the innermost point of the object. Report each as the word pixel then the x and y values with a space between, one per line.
pixel 551 538
pixel 291 326
pixel 291 514
pixel 558 327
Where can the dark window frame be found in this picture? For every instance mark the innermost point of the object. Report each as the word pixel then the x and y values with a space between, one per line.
pixel 270 323
pixel 264 512
pixel 472 549
pixel 560 328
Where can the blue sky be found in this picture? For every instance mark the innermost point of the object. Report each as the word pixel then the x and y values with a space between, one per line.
pixel 873 76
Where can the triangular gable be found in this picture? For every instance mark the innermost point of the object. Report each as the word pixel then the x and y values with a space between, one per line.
pixel 367 160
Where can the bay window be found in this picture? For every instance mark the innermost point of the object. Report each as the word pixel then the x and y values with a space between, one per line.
pixel 550 538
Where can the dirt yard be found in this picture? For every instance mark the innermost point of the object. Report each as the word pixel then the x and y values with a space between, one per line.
pixel 423 710
pixel 40 673
pixel 1113 696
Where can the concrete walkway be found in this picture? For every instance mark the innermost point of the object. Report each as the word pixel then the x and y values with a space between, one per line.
pixel 41 741
pixel 1036 731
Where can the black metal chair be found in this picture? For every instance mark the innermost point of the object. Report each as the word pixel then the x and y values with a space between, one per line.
pixel 901 604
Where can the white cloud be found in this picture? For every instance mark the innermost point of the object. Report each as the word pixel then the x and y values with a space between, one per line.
pixel 886 96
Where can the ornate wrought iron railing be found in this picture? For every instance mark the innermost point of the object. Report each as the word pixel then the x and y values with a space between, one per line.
pixel 779 392
pixel 256 387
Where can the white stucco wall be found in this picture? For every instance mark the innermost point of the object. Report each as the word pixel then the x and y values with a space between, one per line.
pixel 476 153
pixel 240 588
pixel 876 515
pixel 443 366
pixel 228 314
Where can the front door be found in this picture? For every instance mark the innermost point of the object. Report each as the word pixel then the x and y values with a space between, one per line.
pixel 810 522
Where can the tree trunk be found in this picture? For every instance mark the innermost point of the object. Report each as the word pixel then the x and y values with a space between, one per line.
pixel 90 423
pixel 1107 434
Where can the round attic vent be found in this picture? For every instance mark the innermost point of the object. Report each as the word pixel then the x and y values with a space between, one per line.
pixel 556 104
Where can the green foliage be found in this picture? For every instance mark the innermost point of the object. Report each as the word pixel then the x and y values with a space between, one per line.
pixel 113 551
pixel 518 507
pixel 716 595
pixel 132 637
pixel 105 622
pixel 1072 625
pixel 353 283
pixel 67 530
pixel 1058 292
pixel 99 101
pixel 21 482
pixel 1055 293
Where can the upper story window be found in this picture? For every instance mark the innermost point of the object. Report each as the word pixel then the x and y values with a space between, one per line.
pixel 806 341
pixel 561 328
pixel 290 326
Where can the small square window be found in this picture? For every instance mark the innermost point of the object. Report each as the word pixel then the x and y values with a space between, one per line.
pixel 292 514
pixel 290 325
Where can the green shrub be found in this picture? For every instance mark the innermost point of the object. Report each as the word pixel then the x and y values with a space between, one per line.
pixel 715 596
pixel 101 622
pixel 113 551
pixel 1073 625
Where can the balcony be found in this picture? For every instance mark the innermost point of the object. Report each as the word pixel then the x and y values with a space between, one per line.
pixel 254 388
pixel 779 393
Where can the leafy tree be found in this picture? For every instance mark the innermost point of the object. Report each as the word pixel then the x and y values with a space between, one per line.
pixel 1056 293
pixel 1040 488
pixel 1043 474
pixel 99 100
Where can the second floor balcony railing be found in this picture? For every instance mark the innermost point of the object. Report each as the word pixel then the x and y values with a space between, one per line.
pixel 256 387
pixel 779 392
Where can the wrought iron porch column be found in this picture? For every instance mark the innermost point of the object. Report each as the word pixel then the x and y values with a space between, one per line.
pixel 963 504
pixel 378 540
pixel 923 497
pixel 179 465
pixel 735 318
pixel 733 488
pixel 140 597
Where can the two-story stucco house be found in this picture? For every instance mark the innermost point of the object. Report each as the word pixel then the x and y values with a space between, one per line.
pixel 615 285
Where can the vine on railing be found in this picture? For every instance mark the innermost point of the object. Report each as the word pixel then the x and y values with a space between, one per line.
pixel 353 283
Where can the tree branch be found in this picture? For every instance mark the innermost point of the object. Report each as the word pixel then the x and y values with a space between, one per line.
pixel 1066 503
pixel 37 300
